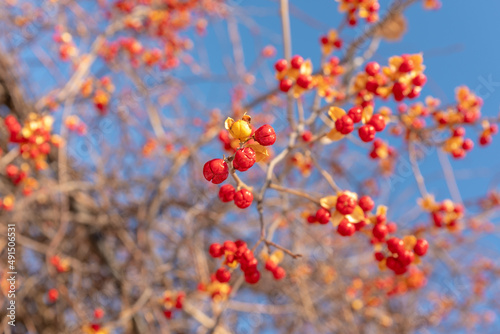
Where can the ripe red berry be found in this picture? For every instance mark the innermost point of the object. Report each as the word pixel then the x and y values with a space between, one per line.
pixel 379 256
pixel 229 246
pixel 392 227
pixel 494 129
pixel 297 62
pixel 378 122
pixel 359 225
pixel 216 250
pixel 345 204
pixel 458 153
pixel 398 91
pixel 421 247
pixel 459 132
pixel 243 198
pixel 271 265
pixel 372 68
pixel 366 203
pixel 223 275
pixel 419 80
pixel 307 136
pixel 355 113
pixel 338 43
pixel 380 231
pixel 265 135
pixel 484 140
pixel 323 216
pixel 395 245
pixel 281 65
pixel 279 273
pixel 367 133
pixel 304 81
pixel 98 313
pixel 344 125
pixel 244 159
pixel 345 228
pixel 216 171
pixel 324 40
pixel 286 84
pixel 406 66
pixel 226 193
pixel 253 277
pixel 372 85
pixel 468 144
pixel 53 295
pixel 406 257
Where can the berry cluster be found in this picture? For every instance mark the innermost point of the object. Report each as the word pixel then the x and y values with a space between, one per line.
pixel 402 253
pixel 19 177
pixel 366 9
pixel 330 42
pixel 67 48
pixel 252 149
pixel 444 214
pixel 344 122
pixel 218 291
pixel 272 264
pixel 75 124
pixel 403 78
pixel 297 74
pixel 235 253
pixel 327 84
pixel 61 265
pixel 34 138
pixel 172 301
pixel 95 327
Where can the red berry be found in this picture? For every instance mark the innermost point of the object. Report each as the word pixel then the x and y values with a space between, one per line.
pixel 366 203
pixel 12 171
pixel 406 66
pixel 229 246
pixel 307 136
pixel 395 245
pixel 494 129
pixel 355 113
pixel 398 91
pixel 345 228
pixel 324 40
pixel 265 135
pixel 216 250
pixel 372 68
pixel 372 85
pixel 379 256
pixel 226 193
pixel 216 171
pixel 253 277
pixel 323 216
pixel 53 295
pixel 223 275
pixel 378 122
pixel 281 65
pixel 392 227
pixel 243 198
pixel 458 153
pixel 459 132
pixel 344 125
pixel 285 85
pixel 338 43
pixel 244 159
pixel 419 80
pixel 421 247
pixel 271 265
pixel 345 204
pixel 406 257
pixel 98 313
pixel 380 231
pixel 359 225
pixel 279 273
pixel 367 133
pixel 311 219
pixel 304 81
pixel 297 62
pixel 484 140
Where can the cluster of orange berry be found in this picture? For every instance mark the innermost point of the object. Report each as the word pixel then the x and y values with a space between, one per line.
pixel 366 9
pixel 252 149
pixel 296 75
pixel 172 301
